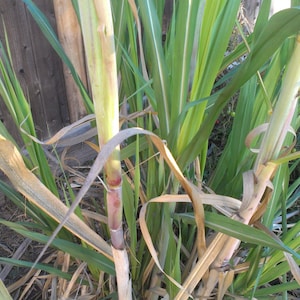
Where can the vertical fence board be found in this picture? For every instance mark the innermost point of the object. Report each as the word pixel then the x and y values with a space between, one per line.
pixel 37 66
pixel 69 33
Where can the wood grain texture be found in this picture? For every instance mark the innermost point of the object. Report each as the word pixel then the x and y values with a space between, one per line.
pixel 37 66
pixel 69 34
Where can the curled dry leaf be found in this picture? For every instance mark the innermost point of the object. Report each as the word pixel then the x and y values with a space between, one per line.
pixel 259 130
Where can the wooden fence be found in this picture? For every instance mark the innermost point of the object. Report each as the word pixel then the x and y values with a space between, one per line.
pixel 37 66
pixel 39 69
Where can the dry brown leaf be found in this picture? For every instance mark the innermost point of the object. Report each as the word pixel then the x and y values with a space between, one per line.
pixel 254 133
pixel 73 282
pixel 248 189
pixel 294 267
pixel 146 234
pixel 225 280
pixel 202 266
pixel 31 187
pixel 121 270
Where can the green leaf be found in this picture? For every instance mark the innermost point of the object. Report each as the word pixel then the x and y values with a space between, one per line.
pixel 28 264
pixel 275 289
pixel 239 231
pixel 78 251
pixel 252 110
pixel 214 37
pixel 281 26
pixel 4 294
pixel 153 36
pixel 185 23
pixel 130 212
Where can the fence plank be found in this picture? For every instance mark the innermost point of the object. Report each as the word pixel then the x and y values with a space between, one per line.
pixel 38 67
pixel 69 33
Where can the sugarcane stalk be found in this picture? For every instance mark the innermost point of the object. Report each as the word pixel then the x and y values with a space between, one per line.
pixel 98 35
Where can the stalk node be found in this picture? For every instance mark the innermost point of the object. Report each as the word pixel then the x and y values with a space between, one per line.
pixel 117 238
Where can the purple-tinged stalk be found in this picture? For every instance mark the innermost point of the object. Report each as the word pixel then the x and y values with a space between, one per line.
pixel 98 36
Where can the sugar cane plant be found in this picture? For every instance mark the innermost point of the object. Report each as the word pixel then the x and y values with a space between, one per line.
pixel 98 34
pixel 184 223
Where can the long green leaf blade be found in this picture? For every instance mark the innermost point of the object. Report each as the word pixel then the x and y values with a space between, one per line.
pixel 153 36
pixel 240 231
